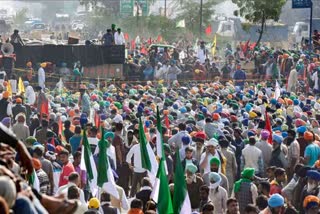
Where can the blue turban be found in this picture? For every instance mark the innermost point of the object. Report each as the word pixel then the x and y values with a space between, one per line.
pixel 245 122
pixel 296 102
pixel 109 134
pixel 276 200
pixel 277 138
pixel 301 129
pixel 314 175
pixel 215 177
pixel 185 140
pixel 273 101
pixel 183 109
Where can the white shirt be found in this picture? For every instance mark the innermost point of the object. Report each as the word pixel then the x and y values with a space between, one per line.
pixel 135 152
pixel 201 55
pixel 251 155
pixel 30 95
pixel 41 78
pixel 315 80
pixel 176 139
pixel 219 200
pixel 64 190
pixel 210 156
pixel 119 38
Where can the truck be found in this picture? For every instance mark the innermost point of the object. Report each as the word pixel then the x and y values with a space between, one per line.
pixel 301 29
pixel 239 30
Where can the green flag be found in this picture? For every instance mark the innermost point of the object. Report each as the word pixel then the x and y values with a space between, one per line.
pixel 88 164
pixel 181 200
pixel 161 193
pixel 145 159
pixel 159 143
pixel 102 161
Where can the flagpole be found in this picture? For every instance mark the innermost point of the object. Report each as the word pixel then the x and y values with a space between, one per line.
pixel 201 2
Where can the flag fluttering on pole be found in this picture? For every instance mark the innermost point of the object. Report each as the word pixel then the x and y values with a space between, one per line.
pixel 21 86
pixel 34 181
pixel 126 36
pixel 268 127
pixel 159 39
pixel 44 108
pixel 105 178
pixel 161 193
pixel 214 45
pixel 208 30
pixel 181 200
pixel 87 163
pixel 181 24
pixel 96 119
pixel 9 88
pixel 277 91
pixel 148 158
pixel 160 151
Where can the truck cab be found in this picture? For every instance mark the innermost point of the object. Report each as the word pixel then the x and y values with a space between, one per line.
pixel 301 30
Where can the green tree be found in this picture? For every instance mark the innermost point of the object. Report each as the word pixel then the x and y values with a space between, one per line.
pixel 190 12
pixel 259 11
pixel 21 17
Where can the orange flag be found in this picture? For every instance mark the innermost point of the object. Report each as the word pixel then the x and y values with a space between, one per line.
pixel 97 119
pixel 44 108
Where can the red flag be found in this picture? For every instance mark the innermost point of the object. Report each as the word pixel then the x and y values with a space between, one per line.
pixel 97 119
pixel 44 108
pixel 253 45
pixel 53 142
pixel 208 30
pixel 245 47
pixel 159 39
pixel 133 44
pixel 268 127
pixel 126 36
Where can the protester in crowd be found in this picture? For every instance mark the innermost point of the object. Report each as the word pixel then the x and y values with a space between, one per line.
pixel 20 128
pixel 245 191
pixel 217 194
pixel 252 157
pixel 194 182
pixel 67 168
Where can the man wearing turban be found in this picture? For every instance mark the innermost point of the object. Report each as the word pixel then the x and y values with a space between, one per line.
pixel 245 191
pixel 312 151
pixel 44 183
pixel 194 182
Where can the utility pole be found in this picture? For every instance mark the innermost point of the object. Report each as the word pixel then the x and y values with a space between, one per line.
pixel 310 30
pixel 165 8
pixel 200 28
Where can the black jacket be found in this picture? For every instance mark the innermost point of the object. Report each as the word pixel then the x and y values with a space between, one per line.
pixel 3 108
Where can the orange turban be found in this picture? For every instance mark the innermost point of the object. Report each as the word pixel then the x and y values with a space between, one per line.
pixel 310 199
pixel 308 135
pixel 216 116
pixel 36 163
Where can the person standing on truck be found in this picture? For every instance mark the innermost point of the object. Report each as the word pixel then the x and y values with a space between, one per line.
pixel 16 40
pixel 316 40
pixel 108 38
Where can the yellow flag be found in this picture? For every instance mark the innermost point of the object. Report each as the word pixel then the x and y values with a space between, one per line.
pixel 214 45
pixel 21 86
pixel 9 89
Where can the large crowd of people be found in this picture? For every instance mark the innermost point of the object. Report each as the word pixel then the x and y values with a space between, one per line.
pixel 245 146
